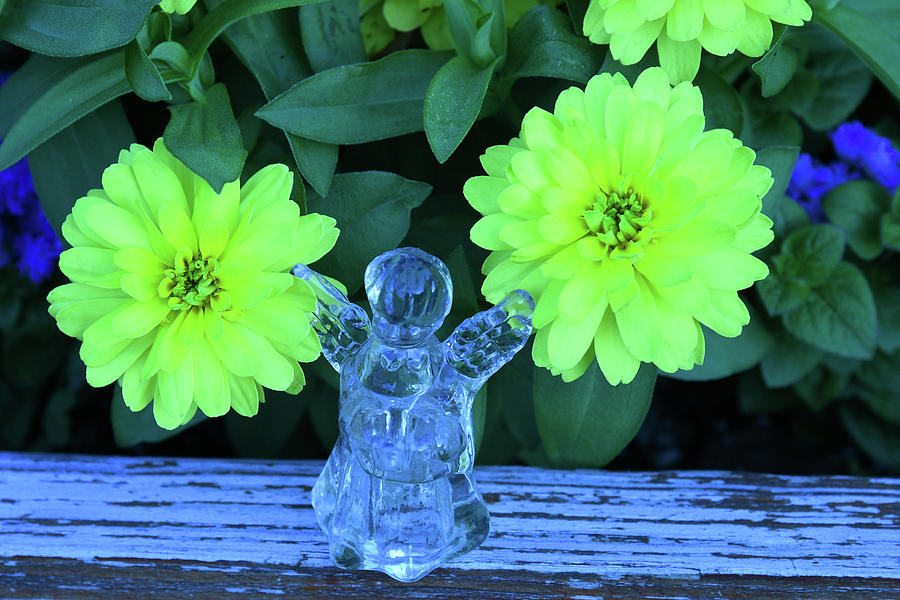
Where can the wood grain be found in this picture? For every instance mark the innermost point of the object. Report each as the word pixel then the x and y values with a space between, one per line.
pixel 115 527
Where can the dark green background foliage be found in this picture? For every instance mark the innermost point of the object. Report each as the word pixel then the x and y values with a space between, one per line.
pixel 384 144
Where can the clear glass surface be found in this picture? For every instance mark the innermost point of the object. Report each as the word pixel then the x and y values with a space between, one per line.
pixel 396 494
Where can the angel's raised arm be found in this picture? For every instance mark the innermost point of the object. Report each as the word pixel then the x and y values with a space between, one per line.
pixel 342 326
pixel 486 341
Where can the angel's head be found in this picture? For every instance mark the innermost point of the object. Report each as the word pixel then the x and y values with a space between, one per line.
pixel 410 293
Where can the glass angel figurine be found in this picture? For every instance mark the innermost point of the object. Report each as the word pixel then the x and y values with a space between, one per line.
pixel 397 493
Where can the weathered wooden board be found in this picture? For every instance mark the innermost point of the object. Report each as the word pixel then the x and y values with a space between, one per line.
pixel 115 527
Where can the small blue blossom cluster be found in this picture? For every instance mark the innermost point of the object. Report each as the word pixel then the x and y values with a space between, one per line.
pixel 26 237
pixel 861 152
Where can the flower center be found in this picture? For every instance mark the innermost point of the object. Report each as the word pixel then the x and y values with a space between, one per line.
pixel 192 283
pixel 616 218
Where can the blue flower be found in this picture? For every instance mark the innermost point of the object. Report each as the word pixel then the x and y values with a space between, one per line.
pixel 810 181
pixel 16 189
pixel 26 237
pixel 869 152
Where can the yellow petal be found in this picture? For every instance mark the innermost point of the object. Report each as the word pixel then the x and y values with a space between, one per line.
pixel 139 260
pixel 234 351
pixel 663 268
pixel 213 238
pixel 482 191
pixel 277 320
pixel 118 227
pixel 175 394
pixel 269 185
pixel 274 370
pixel 139 318
pixel 245 395
pixel 137 392
pixel 582 295
pixel 158 183
pixel 614 359
pixel 176 226
pixel 640 325
pixel 210 382
pixel 568 342
pixel 99 376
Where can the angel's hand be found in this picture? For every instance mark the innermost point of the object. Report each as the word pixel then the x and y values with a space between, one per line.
pixel 487 340
pixel 342 326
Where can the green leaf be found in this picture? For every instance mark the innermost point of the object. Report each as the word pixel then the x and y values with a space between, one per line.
pixel 10 305
pixel 767 126
pixel 465 295
pixel 788 361
pixel 587 422
pixel 204 135
pixel 885 404
pixel 879 440
pixel 887 303
pixel 330 34
pixel 143 76
pixel 130 428
pixel 782 294
pixel 372 212
pixel 498 446
pixel 224 15
pixel 266 433
pixel 890 232
pixel 857 207
pixel 810 253
pixel 87 86
pixel 840 364
pixel 543 44
pixel 721 104
pixel 478 30
pixel 514 392
pixel 72 27
pixel 359 103
pixel 843 82
pixel 801 90
pixel 251 40
pixel 26 85
pixel 872 42
pixel 462 16
pixel 820 387
pixel 780 160
pixel 70 163
pixel 577 9
pixel 727 356
pixel 839 315
pixel 880 378
pixel 777 65
pixel 452 104
pixel 323 410
pixel 496 34
pixel 788 216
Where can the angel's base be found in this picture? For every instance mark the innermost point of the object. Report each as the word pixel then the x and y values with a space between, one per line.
pixel 402 529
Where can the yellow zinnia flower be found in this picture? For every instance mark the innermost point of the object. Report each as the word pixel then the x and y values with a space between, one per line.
pixel 628 224
pixel 681 27
pixel 182 294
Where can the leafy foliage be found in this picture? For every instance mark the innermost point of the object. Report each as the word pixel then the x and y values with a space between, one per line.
pixel 249 82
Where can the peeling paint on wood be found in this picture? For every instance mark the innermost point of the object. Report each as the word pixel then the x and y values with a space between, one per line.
pixel 115 527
